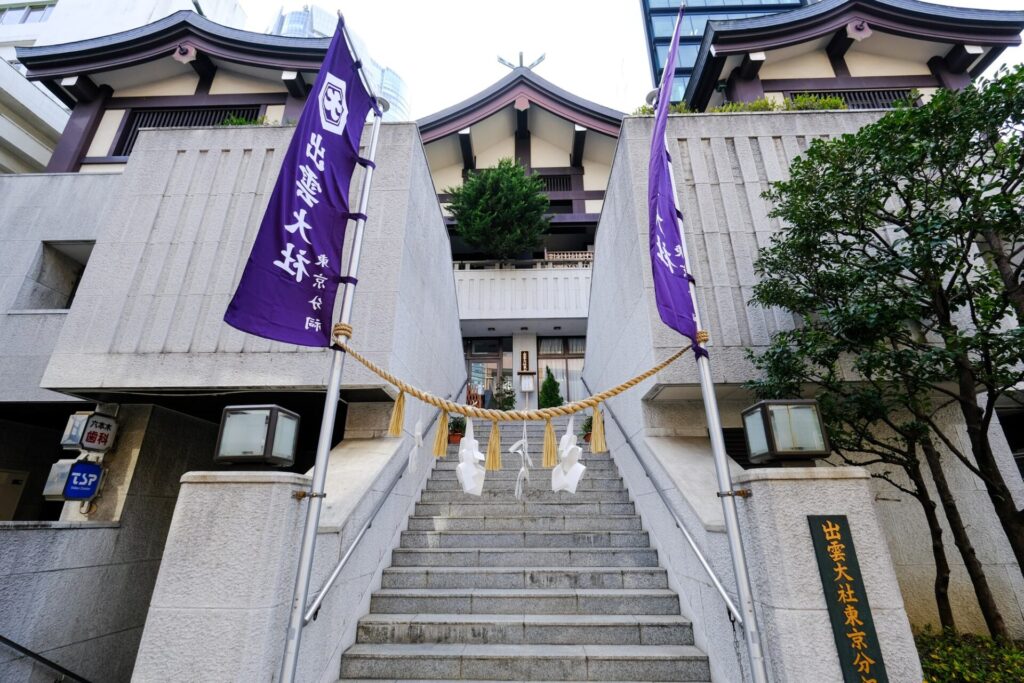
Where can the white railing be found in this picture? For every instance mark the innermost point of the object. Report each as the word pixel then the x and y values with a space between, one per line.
pixel 522 293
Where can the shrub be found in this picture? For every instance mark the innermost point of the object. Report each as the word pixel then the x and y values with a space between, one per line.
pixel 457 425
pixel 236 120
pixel 648 110
pixel 587 425
pixel 550 397
pixel 812 102
pixel 505 397
pixel 501 211
pixel 762 104
pixel 950 657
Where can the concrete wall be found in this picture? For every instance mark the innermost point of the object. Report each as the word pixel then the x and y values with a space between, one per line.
pixel 722 163
pixel 523 294
pixel 77 591
pixel 176 235
pixel 34 209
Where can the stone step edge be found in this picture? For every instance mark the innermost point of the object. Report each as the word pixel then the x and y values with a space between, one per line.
pixel 602 652
pixel 516 570
pixel 524 592
pixel 533 619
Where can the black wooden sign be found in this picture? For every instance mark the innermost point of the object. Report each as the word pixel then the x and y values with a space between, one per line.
pixel 860 654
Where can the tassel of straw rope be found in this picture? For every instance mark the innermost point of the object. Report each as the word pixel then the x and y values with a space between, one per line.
pixel 550 451
pixel 597 442
pixel 397 416
pixel 493 461
pixel 441 439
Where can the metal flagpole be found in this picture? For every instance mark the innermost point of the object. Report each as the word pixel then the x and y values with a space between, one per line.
pixel 323 448
pixel 751 633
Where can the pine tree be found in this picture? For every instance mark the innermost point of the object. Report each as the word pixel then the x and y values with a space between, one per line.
pixel 501 211
pixel 550 397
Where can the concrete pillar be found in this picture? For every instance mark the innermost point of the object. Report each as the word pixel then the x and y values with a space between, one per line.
pixel 790 600
pixel 525 341
pixel 220 605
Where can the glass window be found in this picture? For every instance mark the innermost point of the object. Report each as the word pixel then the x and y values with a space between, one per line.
pixel 577 346
pixel 12 16
pixel 686 55
pixel 34 15
pixel 551 346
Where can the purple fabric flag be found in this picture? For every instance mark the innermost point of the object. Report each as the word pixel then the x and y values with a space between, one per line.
pixel 672 280
pixel 290 281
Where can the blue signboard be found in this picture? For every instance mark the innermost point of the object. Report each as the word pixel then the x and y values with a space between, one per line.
pixel 83 481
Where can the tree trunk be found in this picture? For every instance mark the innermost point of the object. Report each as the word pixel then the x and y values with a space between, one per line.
pixel 987 602
pixel 1009 516
pixel 1011 283
pixel 942 571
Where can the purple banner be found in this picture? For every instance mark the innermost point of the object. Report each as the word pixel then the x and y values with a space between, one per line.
pixel 290 281
pixel 672 280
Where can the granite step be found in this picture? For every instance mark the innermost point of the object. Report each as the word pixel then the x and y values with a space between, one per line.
pixel 524 601
pixel 534 494
pixel 525 577
pixel 525 629
pixel 540 479
pixel 526 662
pixel 510 470
pixel 525 539
pixel 524 557
pixel 526 523
pixel 476 508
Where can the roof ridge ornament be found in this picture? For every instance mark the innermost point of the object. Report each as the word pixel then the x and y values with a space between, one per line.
pixel 502 60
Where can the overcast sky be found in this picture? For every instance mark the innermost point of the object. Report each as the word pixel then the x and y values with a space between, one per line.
pixel 446 50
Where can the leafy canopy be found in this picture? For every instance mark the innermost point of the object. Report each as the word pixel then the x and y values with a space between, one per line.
pixel 501 211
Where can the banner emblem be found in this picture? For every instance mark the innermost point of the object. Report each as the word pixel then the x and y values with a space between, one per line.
pixel 333 110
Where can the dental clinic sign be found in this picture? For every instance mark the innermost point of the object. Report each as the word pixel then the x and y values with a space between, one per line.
pixel 288 288
pixel 89 432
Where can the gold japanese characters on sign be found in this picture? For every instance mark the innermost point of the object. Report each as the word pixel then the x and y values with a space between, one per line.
pixel 860 655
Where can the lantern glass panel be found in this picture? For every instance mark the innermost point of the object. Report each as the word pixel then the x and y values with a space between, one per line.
pixel 796 428
pixel 244 433
pixel 284 436
pixel 757 440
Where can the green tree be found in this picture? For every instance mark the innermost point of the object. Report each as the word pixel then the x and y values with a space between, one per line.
pixel 550 396
pixel 501 211
pixel 880 259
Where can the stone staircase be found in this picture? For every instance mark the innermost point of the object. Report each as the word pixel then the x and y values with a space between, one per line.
pixel 554 587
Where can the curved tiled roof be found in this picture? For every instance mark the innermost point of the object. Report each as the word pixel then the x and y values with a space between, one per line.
pixel 911 18
pixel 158 39
pixel 521 81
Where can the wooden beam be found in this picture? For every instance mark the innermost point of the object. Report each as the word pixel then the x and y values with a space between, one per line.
pixel 296 84
pixel 79 131
pixel 203 66
pixel 962 56
pixel 751 65
pixel 523 137
pixel 466 146
pixel 579 141
pixel 947 77
pixel 836 52
pixel 81 88
pixel 59 92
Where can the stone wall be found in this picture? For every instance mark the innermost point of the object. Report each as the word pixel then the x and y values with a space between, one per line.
pixel 722 163
pixel 35 209
pixel 77 591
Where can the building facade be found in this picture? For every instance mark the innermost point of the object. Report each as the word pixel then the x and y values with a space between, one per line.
pixel 659 18
pixel 313 21
pixel 523 318
pixel 182 568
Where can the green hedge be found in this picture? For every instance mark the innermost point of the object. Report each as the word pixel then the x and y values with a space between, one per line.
pixel 795 103
pixel 949 657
